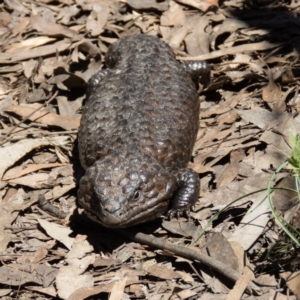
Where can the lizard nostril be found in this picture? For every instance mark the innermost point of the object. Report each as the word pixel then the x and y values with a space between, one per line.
pixel 111 206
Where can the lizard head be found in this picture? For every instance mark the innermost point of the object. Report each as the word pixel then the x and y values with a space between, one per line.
pixel 127 192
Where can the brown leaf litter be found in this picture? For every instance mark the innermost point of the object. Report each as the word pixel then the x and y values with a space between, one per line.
pixel 49 50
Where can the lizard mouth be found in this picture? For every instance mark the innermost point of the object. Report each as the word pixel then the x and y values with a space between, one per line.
pixel 122 219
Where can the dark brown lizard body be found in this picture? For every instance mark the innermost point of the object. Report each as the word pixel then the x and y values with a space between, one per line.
pixel 137 132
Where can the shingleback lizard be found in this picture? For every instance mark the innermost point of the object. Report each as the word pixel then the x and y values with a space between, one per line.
pixel 137 132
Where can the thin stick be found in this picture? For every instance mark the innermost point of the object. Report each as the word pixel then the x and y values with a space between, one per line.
pixel 188 253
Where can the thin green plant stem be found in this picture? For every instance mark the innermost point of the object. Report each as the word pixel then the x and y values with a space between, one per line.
pixel 273 189
pixel 223 209
pixel 297 186
pixel 249 194
pixel 286 230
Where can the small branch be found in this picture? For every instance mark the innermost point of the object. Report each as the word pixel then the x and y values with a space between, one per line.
pixel 49 208
pixel 188 253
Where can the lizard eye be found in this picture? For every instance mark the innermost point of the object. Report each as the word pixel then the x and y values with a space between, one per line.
pixel 137 195
pixel 110 62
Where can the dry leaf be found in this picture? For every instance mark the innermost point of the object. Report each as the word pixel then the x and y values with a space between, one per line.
pixel 97 18
pixel 28 44
pixel 51 291
pixel 45 117
pixel 71 277
pixel 35 181
pixel 14 152
pixel 272 92
pixel 10 275
pixel 220 249
pixel 197 42
pixel 9 211
pixel 148 4
pixel 240 286
pixel 24 54
pixel 162 272
pixel 260 46
pixel 86 292
pixel 254 222
pixel 50 28
pixel 117 290
pixel 5 18
pixel 28 169
pixel 58 232
pixel 293 281
pixel 173 16
pixel 230 172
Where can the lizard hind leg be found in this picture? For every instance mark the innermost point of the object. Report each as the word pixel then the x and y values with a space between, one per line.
pixel 199 71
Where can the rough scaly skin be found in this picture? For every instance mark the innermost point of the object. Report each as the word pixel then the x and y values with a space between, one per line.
pixel 137 132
